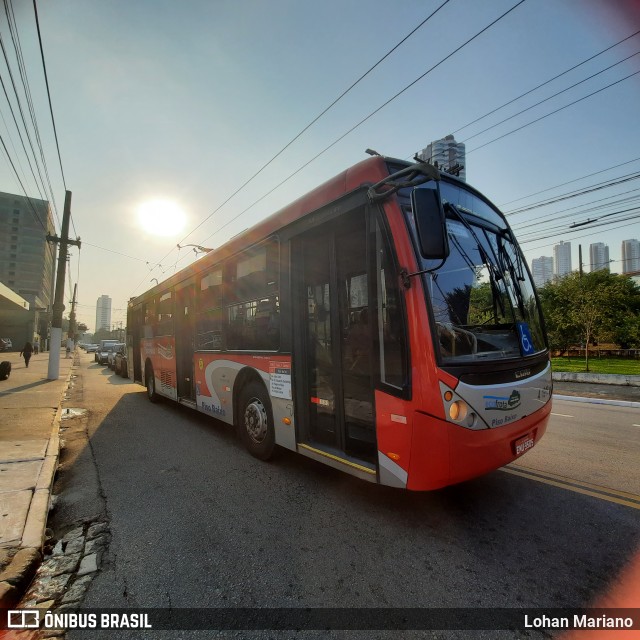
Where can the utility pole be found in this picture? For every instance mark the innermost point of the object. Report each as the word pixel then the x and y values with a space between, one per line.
pixel 72 320
pixel 580 259
pixel 58 304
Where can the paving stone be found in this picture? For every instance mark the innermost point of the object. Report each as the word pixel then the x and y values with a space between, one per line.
pixel 58 550
pixel 96 529
pixel 58 565
pixel 76 592
pixel 76 545
pixel 48 588
pixel 95 545
pixel 89 564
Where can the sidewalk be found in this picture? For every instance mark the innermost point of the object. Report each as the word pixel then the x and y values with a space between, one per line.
pixel 30 408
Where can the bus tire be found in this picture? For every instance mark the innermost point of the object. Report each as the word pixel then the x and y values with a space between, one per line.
pixel 150 383
pixel 255 421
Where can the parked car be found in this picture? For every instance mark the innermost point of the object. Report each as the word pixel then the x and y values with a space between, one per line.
pixel 102 354
pixel 121 366
pixel 102 349
pixel 111 356
pixel 91 348
pixel 5 344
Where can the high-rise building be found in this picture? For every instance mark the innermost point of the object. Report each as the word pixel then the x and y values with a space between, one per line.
pixel 447 153
pixel 27 260
pixel 103 313
pixel 599 256
pixel 561 259
pixel 542 270
pixel 27 267
pixel 630 256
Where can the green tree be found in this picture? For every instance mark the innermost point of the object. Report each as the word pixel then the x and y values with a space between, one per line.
pixel 598 306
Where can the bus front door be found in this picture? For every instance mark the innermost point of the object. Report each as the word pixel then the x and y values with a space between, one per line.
pixel 336 395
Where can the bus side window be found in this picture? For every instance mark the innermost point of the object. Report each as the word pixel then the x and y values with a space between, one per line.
pixel 209 317
pixel 253 312
pixel 149 329
pixel 165 315
pixel 391 330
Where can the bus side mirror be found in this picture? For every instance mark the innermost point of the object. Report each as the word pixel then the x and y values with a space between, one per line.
pixel 433 240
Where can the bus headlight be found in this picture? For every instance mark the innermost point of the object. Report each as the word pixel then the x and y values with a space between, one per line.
pixel 458 410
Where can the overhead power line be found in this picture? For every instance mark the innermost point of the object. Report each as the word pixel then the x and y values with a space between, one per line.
pixel 382 106
pixel 22 70
pixel 46 80
pixel 554 112
pixel 585 235
pixel 308 126
pixel 546 82
pixel 555 95
pixel 564 184
pixel 574 194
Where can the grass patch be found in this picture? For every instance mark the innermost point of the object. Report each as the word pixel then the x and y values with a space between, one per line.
pixel 625 367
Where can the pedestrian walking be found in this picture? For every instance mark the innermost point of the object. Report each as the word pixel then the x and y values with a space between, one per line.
pixel 36 346
pixel 27 350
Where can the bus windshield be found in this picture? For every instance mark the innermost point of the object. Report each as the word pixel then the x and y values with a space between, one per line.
pixel 481 296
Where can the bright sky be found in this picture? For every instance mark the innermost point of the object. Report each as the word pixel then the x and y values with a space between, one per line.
pixel 182 102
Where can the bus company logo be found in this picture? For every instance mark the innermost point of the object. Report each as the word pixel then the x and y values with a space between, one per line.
pixel 502 403
pixel 165 352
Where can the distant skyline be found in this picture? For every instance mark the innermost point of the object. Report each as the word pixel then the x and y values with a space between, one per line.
pixel 180 104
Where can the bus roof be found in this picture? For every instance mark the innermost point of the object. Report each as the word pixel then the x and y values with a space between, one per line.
pixel 364 173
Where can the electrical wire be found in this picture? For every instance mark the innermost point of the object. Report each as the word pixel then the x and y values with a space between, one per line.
pixel 15 39
pixel 526 93
pixel 308 126
pixel 46 80
pixel 564 184
pixel 555 95
pixel 554 112
pixel 574 194
pixel 382 106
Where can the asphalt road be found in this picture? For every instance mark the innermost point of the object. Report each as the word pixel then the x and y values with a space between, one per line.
pixel 197 522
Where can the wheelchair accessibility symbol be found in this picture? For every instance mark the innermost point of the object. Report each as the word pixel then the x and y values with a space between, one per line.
pixel 526 341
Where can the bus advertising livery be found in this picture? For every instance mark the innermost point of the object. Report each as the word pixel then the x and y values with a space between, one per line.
pixel 385 324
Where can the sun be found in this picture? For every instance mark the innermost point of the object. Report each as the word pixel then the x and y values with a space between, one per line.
pixel 161 217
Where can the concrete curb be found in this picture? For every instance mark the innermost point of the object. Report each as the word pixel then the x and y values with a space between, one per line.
pixel 597 378
pixel 616 403
pixel 18 574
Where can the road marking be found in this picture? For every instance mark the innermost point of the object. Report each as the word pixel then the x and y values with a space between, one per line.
pixel 635 425
pixel 562 415
pixel 586 488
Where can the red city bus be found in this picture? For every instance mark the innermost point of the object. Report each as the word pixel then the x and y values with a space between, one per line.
pixel 385 324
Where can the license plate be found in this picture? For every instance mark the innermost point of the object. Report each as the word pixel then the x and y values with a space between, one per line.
pixel 524 444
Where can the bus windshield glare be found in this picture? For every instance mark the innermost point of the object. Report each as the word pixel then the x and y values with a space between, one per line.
pixel 481 296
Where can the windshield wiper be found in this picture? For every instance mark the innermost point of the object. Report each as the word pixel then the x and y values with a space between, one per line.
pixel 495 273
pixel 515 271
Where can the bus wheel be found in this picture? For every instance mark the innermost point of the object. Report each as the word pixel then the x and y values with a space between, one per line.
pixel 151 385
pixel 255 421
